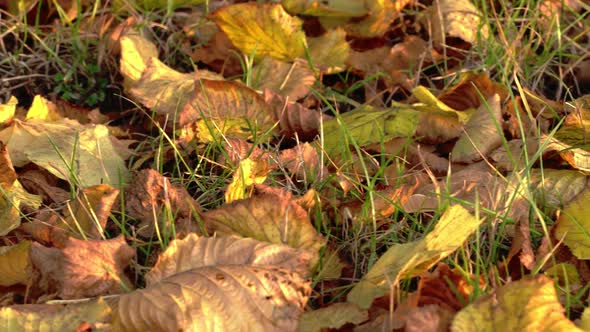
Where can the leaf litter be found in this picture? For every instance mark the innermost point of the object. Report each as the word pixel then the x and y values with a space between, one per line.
pixel 319 165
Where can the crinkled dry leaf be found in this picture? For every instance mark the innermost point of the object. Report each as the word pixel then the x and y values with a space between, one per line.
pixel 332 317
pixel 54 317
pixel 329 51
pixel 87 216
pixel 471 91
pixel 15 266
pixel 83 268
pixel 530 304
pixel 290 80
pixel 453 18
pixel 248 173
pixel 217 298
pixel 271 218
pixel 195 252
pixel 228 109
pixel 483 133
pixel 303 161
pixel 447 288
pixel 519 153
pixel 410 259
pixel 51 145
pixel 295 120
pixel 147 197
pixel 262 29
pixel 238 150
pixel 573 225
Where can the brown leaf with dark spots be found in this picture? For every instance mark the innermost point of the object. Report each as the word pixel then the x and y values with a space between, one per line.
pixel 83 268
pixel 149 193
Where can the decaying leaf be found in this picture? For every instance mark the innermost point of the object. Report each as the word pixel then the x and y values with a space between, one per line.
pixel 248 173
pixel 15 266
pixel 262 29
pixel 458 19
pixel 83 268
pixel 483 133
pixel 290 80
pixel 151 199
pixel 194 252
pixel 410 259
pixel 530 304
pixel 332 317
pixel 212 298
pixel 86 217
pixel 55 317
pixel 303 161
pixel 271 218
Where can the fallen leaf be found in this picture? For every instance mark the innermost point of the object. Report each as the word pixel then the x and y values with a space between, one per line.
pixel 338 8
pixel 573 225
pixel 248 173
pixel 290 80
pixel 529 304
pixel 407 260
pixel 15 266
pixel 329 52
pixel 332 317
pixel 8 110
pixel 262 29
pixel 83 268
pixel 458 19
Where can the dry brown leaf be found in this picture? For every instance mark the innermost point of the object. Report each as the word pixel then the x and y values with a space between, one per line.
pixel 194 252
pixel 290 80
pixel 303 161
pixel 471 91
pixel 42 183
pixel 219 53
pixel 149 194
pixel 295 120
pixel 271 218
pixel 237 150
pixel 446 288
pixel 217 298
pixel 83 268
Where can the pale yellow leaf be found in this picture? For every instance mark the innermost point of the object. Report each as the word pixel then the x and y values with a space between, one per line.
pixel 332 317
pixel 408 260
pixel 573 225
pixel 329 51
pixel 15 266
pixel 7 110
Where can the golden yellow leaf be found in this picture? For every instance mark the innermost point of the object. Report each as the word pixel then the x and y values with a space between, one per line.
pixel 248 173
pixel 43 109
pixel 262 29
pixel 408 260
pixel 15 266
pixel 530 304
pixel 53 317
pixel 7 110
pixel 332 317
pixel 430 102
pixel 195 252
pixel 573 225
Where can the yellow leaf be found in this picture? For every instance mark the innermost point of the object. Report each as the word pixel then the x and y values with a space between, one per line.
pixel 330 51
pixel 249 173
pixel 530 304
pixel 332 317
pixel 573 225
pixel 15 264
pixel 136 53
pixel 408 260
pixel 262 29
pixel 52 317
pixel 430 102
pixel 7 110
pixel 43 109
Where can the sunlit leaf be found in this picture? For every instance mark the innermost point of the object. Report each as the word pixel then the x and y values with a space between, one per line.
pixel 7 110
pixel 217 298
pixel 332 317
pixel 15 266
pixel 410 259
pixel 248 173
pixel 429 101
pixel 195 252
pixel 271 218
pixel 43 109
pixel 530 304
pixel 573 225
pixel 452 18
pixel 54 317
pixel 66 149
pixel 262 29
pixel 483 133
